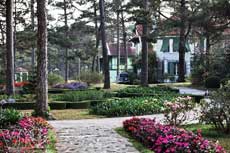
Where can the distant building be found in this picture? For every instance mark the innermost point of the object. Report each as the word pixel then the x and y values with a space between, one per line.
pixel 21 74
pixel 112 53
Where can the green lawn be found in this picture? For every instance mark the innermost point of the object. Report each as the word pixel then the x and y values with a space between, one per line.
pixel 141 148
pixel 69 114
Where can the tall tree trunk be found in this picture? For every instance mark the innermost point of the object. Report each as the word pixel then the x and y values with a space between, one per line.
pixel 15 32
pixel 96 35
pixel 118 43
pixel 42 74
pixel 124 40
pixel 144 66
pixel 182 47
pixel 32 15
pixel 207 52
pixel 9 48
pixel 104 47
pixel 66 49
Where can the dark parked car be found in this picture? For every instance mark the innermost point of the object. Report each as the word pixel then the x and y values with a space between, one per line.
pixel 123 78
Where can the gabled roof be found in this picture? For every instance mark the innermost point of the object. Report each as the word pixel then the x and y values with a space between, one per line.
pixel 112 49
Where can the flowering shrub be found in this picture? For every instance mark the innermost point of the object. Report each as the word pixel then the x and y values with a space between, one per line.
pixel 20 84
pixel 27 135
pixel 169 139
pixel 217 111
pixel 72 86
pixel 176 111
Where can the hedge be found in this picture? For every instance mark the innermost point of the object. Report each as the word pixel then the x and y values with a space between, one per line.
pixel 54 105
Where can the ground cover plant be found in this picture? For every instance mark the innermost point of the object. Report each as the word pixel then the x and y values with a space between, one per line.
pixel 163 138
pixel 131 106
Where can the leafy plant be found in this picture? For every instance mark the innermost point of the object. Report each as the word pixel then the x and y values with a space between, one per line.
pixel 217 110
pixel 9 116
pixel 54 79
pixel 76 96
pixel 90 77
pixel 129 106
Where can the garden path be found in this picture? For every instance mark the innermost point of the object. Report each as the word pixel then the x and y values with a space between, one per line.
pixel 186 90
pixel 93 135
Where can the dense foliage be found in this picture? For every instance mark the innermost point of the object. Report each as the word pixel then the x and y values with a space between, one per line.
pixel 217 110
pixel 76 96
pixel 54 79
pixel 169 139
pixel 90 77
pixel 146 91
pixel 212 82
pixel 131 106
pixel 9 117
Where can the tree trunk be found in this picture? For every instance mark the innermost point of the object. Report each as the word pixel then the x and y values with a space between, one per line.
pixel 42 84
pixel 66 49
pixel 124 40
pixel 104 47
pixel 32 28
pixel 207 53
pixel 182 47
pixel 15 32
pixel 9 48
pixel 144 66
pixel 118 43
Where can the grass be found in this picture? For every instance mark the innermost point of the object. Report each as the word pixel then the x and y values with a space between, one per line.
pixel 51 148
pixel 210 133
pixel 141 148
pixel 114 86
pixel 69 114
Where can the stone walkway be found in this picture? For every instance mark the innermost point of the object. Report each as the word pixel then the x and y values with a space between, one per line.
pixel 186 90
pixel 93 136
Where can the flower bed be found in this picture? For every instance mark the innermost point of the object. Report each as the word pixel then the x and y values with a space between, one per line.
pixel 130 106
pixel 72 86
pixel 28 135
pixel 169 139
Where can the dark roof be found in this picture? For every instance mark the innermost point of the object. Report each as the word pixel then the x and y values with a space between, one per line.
pixel 112 49
pixel 20 69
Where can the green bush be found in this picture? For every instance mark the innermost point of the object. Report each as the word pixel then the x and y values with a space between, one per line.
pixel 54 79
pixel 130 106
pixel 225 81
pixel 9 117
pixel 90 77
pixel 217 110
pixel 77 96
pixel 212 82
pixel 20 106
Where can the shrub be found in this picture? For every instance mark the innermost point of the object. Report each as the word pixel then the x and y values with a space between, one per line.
pixel 129 107
pixel 90 77
pixel 217 110
pixel 212 82
pixel 176 111
pixel 225 81
pixel 54 79
pixel 169 139
pixel 72 86
pixel 9 116
pixel 145 91
pixel 30 134
pixel 76 96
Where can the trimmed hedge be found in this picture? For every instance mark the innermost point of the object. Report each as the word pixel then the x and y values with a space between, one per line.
pixel 54 105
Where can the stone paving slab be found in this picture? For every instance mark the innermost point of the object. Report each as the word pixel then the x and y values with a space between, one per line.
pixel 93 136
